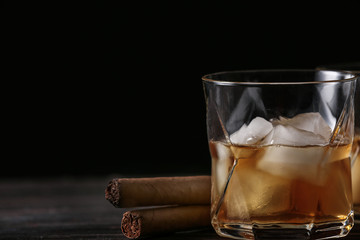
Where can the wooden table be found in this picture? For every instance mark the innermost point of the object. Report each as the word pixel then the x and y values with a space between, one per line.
pixel 70 208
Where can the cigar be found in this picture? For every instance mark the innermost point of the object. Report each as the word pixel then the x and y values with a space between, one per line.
pixel 142 223
pixel 136 192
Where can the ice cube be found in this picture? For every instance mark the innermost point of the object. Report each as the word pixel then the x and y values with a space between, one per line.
pixel 292 136
pixel 305 163
pixel 234 204
pixel 256 193
pixel 311 122
pixel 252 133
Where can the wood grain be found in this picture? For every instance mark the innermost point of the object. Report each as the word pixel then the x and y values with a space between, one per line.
pixel 71 208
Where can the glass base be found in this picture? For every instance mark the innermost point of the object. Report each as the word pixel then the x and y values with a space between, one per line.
pixel 325 230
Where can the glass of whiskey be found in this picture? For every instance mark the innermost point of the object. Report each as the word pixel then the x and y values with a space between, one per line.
pixel 280 143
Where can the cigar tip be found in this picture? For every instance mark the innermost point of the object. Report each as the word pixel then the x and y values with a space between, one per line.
pixel 131 225
pixel 112 193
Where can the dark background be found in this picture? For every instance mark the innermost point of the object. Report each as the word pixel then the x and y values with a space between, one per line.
pixel 99 89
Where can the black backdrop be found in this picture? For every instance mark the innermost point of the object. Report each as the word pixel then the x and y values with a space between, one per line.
pixel 102 88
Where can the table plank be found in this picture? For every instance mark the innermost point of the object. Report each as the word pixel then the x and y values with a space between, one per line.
pixel 71 208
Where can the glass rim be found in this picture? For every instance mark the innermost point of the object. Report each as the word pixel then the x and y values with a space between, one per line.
pixel 348 76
